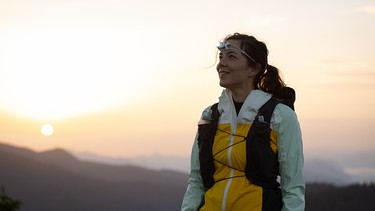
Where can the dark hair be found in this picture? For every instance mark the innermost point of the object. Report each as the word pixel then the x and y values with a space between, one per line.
pixel 268 78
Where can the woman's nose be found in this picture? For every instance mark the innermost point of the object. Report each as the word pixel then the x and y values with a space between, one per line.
pixel 221 63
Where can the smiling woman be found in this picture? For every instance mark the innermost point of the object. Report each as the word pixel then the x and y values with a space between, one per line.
pixel 56 71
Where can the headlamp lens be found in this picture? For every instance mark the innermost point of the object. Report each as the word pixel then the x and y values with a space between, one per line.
pixel 224 46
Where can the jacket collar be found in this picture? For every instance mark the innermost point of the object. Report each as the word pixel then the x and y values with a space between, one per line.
pixel 253 102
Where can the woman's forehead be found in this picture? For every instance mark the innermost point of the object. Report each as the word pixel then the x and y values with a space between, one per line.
pixel 235 42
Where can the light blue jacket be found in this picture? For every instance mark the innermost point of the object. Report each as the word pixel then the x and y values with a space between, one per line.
pixel 290 151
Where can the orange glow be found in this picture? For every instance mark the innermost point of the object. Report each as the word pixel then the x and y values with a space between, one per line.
pixel 127 79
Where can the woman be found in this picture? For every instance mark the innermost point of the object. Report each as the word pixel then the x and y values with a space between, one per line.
pixel 249 83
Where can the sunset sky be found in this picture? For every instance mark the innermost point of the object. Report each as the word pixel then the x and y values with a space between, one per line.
pixel 129 78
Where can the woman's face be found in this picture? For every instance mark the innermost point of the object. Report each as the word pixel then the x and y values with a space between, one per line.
pixel 233 69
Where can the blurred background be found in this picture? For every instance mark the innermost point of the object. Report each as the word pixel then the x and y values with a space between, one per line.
pixel 126 81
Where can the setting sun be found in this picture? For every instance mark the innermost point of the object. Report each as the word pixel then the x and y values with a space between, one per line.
pixel 47 129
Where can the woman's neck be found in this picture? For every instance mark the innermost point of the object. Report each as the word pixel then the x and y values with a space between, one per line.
pixel 240 95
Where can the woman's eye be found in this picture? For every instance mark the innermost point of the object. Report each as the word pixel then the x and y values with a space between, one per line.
pixel 231 56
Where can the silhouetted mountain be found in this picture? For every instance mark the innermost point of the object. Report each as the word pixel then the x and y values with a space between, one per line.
pixel 324 197
pixel 55 180
pixel 155 162
pixel 122 173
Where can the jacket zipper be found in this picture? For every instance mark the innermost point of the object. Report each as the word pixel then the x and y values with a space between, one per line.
pixel 229 157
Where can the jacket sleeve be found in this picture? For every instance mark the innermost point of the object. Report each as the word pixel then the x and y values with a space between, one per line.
pixel 291 160
pixel 195 190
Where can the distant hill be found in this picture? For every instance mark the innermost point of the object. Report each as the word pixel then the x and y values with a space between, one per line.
pixel 323 171
pixel 56 180
pixel 326 197
pixel 155 162
pixel 315 170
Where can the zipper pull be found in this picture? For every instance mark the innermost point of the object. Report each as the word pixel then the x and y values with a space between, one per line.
pixel 229 138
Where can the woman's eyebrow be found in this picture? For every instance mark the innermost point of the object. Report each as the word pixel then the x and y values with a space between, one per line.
pixel 232 51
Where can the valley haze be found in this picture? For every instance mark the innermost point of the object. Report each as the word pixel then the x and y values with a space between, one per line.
pixel 347 169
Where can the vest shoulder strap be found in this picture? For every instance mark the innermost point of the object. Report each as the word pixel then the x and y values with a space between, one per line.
pixel 266 111
pixel 262 166
pixel 215 111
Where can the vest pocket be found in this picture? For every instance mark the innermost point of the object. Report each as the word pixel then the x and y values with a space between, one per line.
pixel 262 162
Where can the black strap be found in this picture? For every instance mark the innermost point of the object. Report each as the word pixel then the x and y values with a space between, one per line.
pixel 261 162
pixel 215 112
pixel 267 110
pixel 206 138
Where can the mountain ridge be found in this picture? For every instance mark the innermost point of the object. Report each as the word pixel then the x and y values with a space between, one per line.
pixel 316 169
pixel 43 184
pixel 56 180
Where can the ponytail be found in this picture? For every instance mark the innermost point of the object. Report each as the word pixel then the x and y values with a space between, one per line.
pixel 271 82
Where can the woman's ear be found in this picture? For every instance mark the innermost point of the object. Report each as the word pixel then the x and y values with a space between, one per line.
pixel 254 70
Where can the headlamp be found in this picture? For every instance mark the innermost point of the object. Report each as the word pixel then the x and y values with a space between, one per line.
pixel 225 46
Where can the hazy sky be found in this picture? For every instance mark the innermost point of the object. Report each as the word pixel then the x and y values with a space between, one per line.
pixel 127 78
